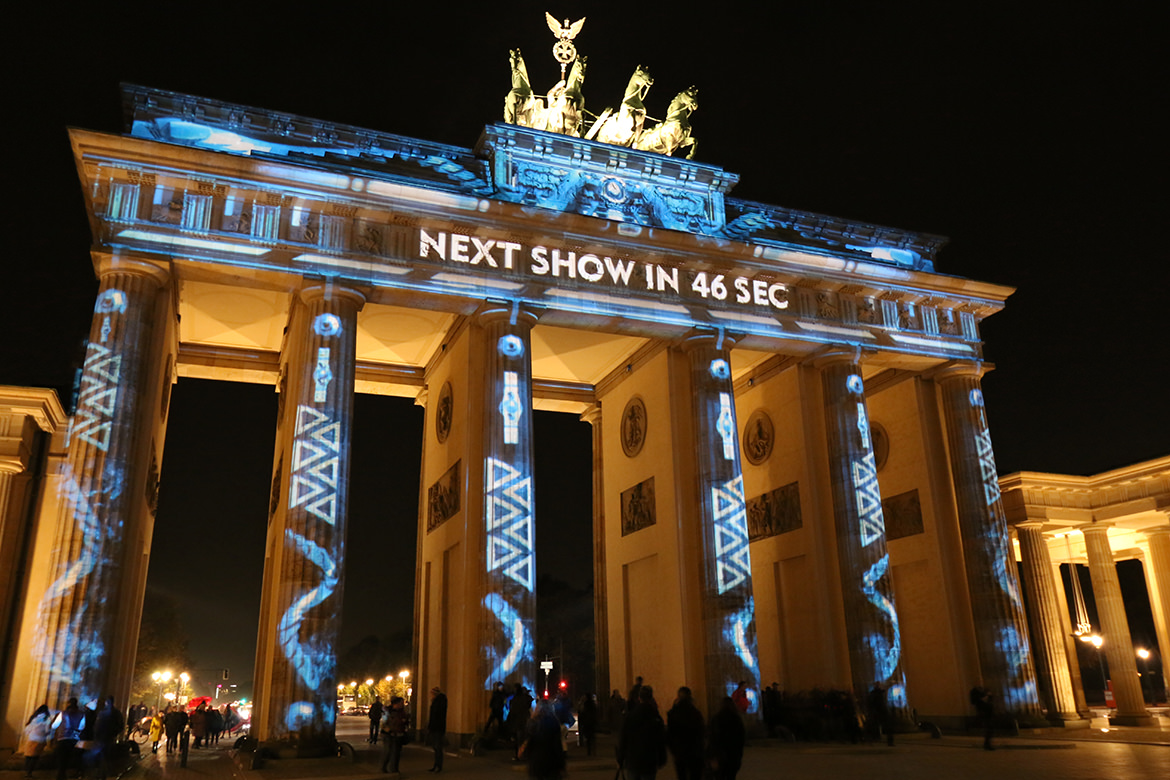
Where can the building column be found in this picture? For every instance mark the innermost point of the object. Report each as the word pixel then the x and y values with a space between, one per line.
pixel 1127 691
pixel 508 557
pixel 75 644
pixel 600 590
pixel 1069 639
pixel 871 619
pixel 300 616
pixel 1052 670
pixel 1001 633
pixel 1157 568
pixel 727 603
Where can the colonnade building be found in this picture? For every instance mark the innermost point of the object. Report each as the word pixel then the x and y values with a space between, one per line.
pixel 793 472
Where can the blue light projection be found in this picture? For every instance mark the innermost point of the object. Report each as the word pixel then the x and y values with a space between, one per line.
pixel 315 464
pixel 732 558
pixel 510 407
pixel 312 661
pixel 509 523
pixel 1012 643
pixel 725 425
pixel 519 639
pixel 886 652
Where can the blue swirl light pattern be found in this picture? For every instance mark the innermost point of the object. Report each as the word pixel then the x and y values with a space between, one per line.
pixel 313 662
pixel 886 654
pixel 520 645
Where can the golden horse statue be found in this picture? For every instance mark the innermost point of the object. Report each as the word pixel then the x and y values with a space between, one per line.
pixel 675 131
pixel 624 127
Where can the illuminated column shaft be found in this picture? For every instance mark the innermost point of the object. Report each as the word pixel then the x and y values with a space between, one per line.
pixel 508 619
pixel 871 619
pixel 1001 634
pixel 600 592
pixel 1157 568
pixel 1118 645
pixel 1047 635
pixel 1070 641
pixel 728 606
pixel 78 611
pixel 296 682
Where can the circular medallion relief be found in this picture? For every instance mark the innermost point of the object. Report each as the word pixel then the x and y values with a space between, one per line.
pixel 633 426
pixel 444 411
pixel 758 437
pixel 881 444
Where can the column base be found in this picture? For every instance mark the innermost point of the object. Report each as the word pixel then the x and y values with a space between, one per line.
pixel 1068 722
pixel 1144 719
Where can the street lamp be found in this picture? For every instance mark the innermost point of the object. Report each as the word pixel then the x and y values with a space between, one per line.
pixel 183 678
pixel 404 675
pixel 1144 654
pixel 160 679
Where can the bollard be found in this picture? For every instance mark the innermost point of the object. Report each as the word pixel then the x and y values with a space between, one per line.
pixel 184 747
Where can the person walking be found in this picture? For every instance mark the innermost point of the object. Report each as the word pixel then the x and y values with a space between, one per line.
pixel 375 716
pixel 37 732
pixel 727 740
pixel 69 725
pixel 175 721
pixel 684 736
pixel 107 728
pixel 542 746
pixel 641 746
pixel 437 726
pixel 519 713
pixel 496 709
pixel 394 734
pixel 587 723
pixel 157 729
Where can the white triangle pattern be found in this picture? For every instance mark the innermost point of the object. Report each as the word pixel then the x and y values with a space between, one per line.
pixel 509 522
pixel 732 557
pixel 315 464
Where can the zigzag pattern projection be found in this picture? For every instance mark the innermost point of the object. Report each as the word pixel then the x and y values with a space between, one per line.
pixel 508 497
pixel 732 560
pixel 869 499
pixel 98 396
pixel 520 644
pixel 315 464
pixel 312 660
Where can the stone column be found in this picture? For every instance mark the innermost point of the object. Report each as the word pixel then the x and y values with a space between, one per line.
pixel 600 592
pixel 508 559
pixel 77 614
pixel 1157 568
pixel 1127 691
pixel 1070 641
pixel 871 619
pixel 296 685
pixel 727 603
pixel 1001 633
pixel 1052 670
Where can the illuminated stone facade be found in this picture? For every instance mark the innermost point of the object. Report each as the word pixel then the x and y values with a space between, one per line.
pixel 793 476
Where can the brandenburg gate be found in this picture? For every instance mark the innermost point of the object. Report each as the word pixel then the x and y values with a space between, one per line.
pixel 793 473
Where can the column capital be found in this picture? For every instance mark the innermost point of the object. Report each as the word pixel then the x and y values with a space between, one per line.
pixel 108 264
pixel 316 290
pixel 592 415
pixel 834 355
pixel 492 311
pixel 1029 525
pixel 1095 527
pixel 11 465
pixel 707 338
pixel 1156 531
pixel 960 369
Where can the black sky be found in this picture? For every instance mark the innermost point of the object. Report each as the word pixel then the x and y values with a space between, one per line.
pixel 1026 136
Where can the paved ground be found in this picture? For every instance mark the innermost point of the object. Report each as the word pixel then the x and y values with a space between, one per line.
pixel 1117 754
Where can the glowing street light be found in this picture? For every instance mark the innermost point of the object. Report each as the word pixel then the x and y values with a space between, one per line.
pixel 1144 654
pixel 160 679
pixel 1096 641
pixel 184 678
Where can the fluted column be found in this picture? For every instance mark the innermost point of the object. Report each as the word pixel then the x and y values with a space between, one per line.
pixel 1070 641
pixel 871 619
pixel 1157 567
pixel 1127 691
pixel 1052 670
pixel 600 588
pixel 728 606
pixel 508 558
pixel 296 682
pixel 77 614
pixel 1001 634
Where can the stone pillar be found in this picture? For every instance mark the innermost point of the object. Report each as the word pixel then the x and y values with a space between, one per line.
pixel 1127 691
pixel 508 557
pixel 75 645
pixel 1070 641
pixel 296 685
pixel 1052 670
pixel 600 589
pixel 1001 633
pixel 726 600
pixel 871 619
pixel 1157 568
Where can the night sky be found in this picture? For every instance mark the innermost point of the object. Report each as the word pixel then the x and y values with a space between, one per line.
pixel 1026 137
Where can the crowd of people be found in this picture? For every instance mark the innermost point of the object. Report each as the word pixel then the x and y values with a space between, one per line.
pixel 86 741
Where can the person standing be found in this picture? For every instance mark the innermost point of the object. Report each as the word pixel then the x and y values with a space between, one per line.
pixel 394 734
pixel 107 728
pixel 684 736
pixel 375 716
pixel 727 740
pixel 542 746
pixel 37 731
pixel 157 726
pixel 641 746
pixel 437 726
pixel 985 711
pixel 69 723
pixel 496 709
pixel 741 698
pixel 199 724
pixel 587 723
pixel 175 720
pixel 632 699
pixel 519 713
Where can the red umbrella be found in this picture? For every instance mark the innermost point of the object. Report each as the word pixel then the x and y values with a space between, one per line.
pixel 196 701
